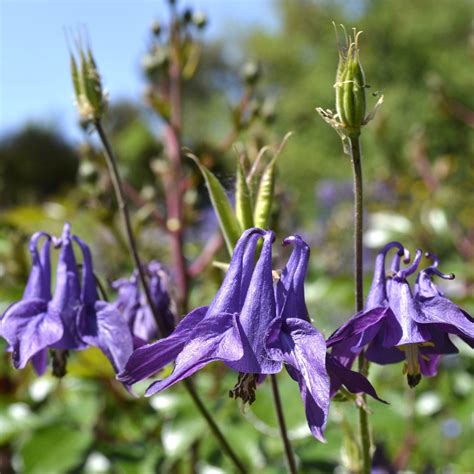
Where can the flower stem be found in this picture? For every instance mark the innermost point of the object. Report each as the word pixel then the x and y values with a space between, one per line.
pixel 214 428
pixel 123 207
pixel 359 290
pixel 290 457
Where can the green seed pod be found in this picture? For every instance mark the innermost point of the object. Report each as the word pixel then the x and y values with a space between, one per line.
pixel 350 86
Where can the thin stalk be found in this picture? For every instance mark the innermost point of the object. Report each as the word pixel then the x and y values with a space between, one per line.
pixel 123 208
pixel 290 457
pixel 117 183
pixel 359 291
pixel 214 428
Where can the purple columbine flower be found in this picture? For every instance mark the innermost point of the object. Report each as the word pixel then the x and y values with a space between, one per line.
pixel 231 329
pixel 28 326
pixel 132 304
pixel 254 328
pixel 400 325
pixel 71 319
pixel 294 341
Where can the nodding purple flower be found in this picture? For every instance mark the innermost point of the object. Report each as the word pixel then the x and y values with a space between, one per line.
pixel 132 304
pixel 231 329
pixel 254 327
pixel 398 324
pixel 72 318
pixel 294 341
pixel 28 326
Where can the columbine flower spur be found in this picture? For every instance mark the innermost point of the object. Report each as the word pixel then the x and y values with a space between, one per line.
pixel 399 325
pixel 254 327
pixel 73 318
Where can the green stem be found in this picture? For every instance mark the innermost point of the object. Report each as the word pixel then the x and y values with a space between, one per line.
pixel 123 208
pixel 214 428
pixel 118 188
pixel 359 291
pixel 290 457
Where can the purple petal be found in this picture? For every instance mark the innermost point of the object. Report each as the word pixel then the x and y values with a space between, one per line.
pixel 406 312
pixel 258 312
pixel 39 281
pixel 28 327
pixel 229 298
pixel 378 353
pixel 377 294
pixel 429 368
pixel 353 381
pixel 66 301
pixel 89 288
pixel 147 326
pixel 447 316
pixel 303 348
pixel 148 360
pixel 292 281
pixel 213 339
pixel 113 335
pixel 40 361
pixel 358 324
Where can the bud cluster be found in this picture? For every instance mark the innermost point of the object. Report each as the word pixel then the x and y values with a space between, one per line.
pixel 90 97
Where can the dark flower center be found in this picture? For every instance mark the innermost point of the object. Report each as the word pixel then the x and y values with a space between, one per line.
pixel 59 357
pixel 245 388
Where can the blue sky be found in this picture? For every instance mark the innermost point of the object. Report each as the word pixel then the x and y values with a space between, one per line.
pixel 34 62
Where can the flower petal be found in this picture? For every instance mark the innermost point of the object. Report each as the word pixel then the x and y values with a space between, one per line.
pixel 429 368
pixel 447 316
pixel 66 301
pixel 258 312
pixel 112 335
pixel 39 281
pixel 40 361
pixel 378 294
pixel 213 339
pixel 28 327
pixel 303 348
pixel 149 359
pixel 358 324
pixel 229 298
pixel 407 312
pixel 353 381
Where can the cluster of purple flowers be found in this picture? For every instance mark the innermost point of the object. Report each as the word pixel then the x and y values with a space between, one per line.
pixel 257 323
pixel 255 327
pixel 73 317
pixel 399 323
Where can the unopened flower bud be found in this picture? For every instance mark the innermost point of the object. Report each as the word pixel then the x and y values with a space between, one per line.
pixel 187 15
pixel 90 98
pixel 350 86
pixel 251 72
pixel 156 28
pixel 200 20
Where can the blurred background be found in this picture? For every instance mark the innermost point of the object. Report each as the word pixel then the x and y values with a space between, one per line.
pixel 264 66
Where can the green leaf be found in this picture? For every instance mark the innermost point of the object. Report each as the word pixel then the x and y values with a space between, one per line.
pixel 228 222
pixel 243 200
pixel 55 449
